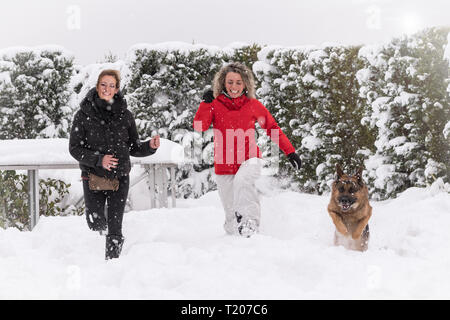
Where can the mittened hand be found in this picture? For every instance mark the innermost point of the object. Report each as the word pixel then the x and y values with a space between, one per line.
pixel 294 159
pixel 208 96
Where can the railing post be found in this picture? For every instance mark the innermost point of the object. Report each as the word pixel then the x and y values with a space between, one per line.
pixel 33 197
pixel 173 184
pixel 158 183
pixel 150 169
pixel 164 186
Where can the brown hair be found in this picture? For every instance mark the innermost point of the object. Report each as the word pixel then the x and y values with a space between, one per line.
pixel 245 73
pixel 109 72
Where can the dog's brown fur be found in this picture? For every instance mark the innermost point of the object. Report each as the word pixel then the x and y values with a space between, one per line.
pixel 351 221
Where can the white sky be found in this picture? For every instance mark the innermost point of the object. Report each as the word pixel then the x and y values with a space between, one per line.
pixel 92 28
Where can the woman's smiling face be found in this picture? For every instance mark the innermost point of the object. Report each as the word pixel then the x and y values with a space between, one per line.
pixel 234 84
pixel 107 88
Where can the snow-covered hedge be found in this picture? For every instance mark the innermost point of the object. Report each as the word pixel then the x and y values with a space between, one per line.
pixel 404 86
pixel 34 103
pixel 385 107
pixel 34 95
pixel 313 94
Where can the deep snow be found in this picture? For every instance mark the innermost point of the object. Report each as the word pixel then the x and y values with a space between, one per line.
pixel 183 253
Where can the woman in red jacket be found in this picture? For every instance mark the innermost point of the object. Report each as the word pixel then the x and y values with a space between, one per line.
pixel 233 110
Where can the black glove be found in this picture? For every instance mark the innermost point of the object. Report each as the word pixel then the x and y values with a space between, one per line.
pixel 295 160
pixel 208 96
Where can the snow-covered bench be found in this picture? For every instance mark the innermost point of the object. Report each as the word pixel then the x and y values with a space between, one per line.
pixel 33 155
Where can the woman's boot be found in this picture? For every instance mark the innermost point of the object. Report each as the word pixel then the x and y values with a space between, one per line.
pixel 114 245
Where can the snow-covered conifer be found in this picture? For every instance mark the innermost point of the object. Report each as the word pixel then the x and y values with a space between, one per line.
pixel 405 86
pixel 34 91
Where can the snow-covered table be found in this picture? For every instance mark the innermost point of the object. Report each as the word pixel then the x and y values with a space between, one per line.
pixel 33 155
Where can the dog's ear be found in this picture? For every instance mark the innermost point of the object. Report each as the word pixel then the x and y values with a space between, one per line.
pixel 358 174
pixel 339 171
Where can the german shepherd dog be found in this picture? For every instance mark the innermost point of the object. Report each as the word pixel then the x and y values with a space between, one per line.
pixel 350 210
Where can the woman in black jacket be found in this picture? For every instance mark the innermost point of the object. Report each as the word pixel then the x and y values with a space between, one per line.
pixel 102 138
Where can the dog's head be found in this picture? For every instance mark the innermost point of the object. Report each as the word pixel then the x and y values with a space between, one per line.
pixel 348 189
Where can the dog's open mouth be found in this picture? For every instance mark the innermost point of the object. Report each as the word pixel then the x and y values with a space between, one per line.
pixel 346 206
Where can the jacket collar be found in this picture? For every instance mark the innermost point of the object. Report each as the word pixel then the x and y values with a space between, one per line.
pixel 92 104
pixel 233 103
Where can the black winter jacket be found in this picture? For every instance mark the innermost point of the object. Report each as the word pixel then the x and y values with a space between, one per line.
pixel 99 129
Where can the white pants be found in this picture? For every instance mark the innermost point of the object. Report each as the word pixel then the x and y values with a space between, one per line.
pixel 238 194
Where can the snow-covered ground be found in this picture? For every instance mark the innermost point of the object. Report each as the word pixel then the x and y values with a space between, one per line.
pixel 183 253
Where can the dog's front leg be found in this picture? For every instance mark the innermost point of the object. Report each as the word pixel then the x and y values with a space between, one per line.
pixel 337 220
pixel 361 225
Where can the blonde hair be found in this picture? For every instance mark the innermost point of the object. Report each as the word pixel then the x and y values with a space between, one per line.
pixel 109 72
pixel 245 73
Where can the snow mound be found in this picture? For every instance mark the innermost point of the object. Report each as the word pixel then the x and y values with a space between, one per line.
pixel 183 253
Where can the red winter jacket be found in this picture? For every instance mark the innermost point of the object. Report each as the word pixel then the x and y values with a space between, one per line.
pixel 234 130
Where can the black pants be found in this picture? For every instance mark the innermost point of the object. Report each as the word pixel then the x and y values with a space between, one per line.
pixel 115 201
